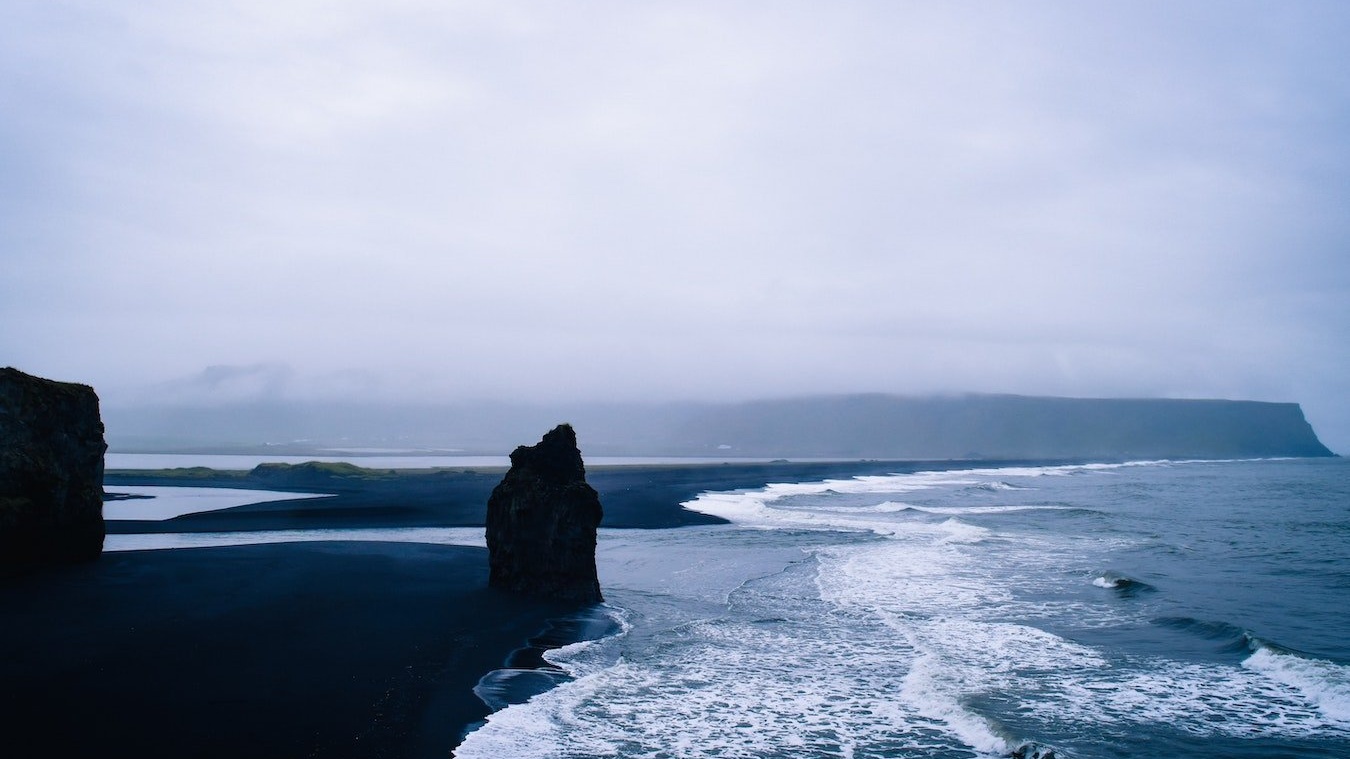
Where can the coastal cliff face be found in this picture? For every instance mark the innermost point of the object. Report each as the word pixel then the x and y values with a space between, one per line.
pixel 542 520
pixel 836 427
pixel 1003 427
pixel 51 472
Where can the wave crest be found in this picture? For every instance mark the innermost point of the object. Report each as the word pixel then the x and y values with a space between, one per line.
pixel 1324 684
pixel 1124 585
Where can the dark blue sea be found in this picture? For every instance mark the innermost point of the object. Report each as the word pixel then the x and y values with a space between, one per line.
pixel 1154 609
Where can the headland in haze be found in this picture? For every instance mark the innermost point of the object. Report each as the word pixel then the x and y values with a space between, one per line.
pixel 869 426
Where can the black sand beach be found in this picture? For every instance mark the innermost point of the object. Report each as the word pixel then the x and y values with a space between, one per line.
pixel 336 649
pixel 330 649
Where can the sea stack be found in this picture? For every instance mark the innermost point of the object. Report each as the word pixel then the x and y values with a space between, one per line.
pixel 51 472
pixel 541 523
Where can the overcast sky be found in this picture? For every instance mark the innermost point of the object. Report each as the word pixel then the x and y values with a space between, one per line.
pixel 680 200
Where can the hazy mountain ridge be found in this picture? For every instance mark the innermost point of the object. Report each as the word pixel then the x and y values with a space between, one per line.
pixel 1013 427
pixel 846 426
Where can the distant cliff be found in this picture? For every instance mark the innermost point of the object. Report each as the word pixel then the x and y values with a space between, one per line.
pixel 845 426
pixel 51 472
pixel 1004 427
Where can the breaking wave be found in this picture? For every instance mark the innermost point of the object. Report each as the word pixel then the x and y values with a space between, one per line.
pixel 932 614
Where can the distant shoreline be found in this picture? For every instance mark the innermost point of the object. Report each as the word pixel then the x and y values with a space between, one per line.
pixel 237 461
pixel 636 496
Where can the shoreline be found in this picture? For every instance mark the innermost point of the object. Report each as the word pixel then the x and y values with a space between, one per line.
pixel 341 648
pixel 333 648
pixel 639 496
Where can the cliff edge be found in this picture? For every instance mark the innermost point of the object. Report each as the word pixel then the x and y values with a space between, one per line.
pixel 1002 427
pixel 542 520
pixel 51 472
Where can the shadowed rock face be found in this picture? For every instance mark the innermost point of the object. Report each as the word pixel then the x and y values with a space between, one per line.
pixel 51 472
pixel 541 522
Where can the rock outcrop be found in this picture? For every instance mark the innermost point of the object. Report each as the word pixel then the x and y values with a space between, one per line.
pixel 51 472
pixel 541 522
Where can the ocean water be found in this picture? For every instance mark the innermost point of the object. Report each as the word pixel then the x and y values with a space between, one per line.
pixel 1158 609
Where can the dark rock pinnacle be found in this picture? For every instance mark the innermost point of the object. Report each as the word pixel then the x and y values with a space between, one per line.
pixel 541 522
pixel 51 472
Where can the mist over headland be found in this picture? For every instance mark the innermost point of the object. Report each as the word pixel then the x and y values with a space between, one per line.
pixel 999 427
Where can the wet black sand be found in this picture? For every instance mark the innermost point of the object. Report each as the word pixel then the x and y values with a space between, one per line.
pixel 291 650
pixel 335 649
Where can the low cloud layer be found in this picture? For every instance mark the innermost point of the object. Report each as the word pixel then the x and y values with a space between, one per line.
pixel 679 200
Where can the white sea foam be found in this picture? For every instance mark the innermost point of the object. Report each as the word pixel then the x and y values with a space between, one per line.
pixel 500 688
pixel 931 592
pixel 726 688
pixel 1011 509
pixel 917 578
pixel 1058 680
pixel 964 657
pixel 756 507
pixel 1199 699
pixel 895 507
pixel 810 678
pixel 587 657
pixel 1322 683
pixel 906 626
pixel 997 486
pixel 885 507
